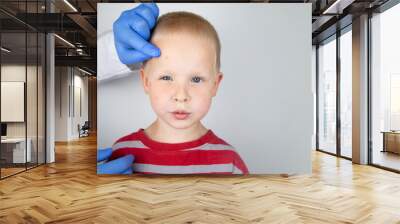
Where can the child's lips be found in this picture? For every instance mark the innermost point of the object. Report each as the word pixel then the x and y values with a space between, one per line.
pixel 180 115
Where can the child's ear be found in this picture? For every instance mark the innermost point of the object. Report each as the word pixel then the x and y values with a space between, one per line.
pixel 217 82
pixel 145 80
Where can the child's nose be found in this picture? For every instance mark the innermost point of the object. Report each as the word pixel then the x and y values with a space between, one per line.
pixel 181 94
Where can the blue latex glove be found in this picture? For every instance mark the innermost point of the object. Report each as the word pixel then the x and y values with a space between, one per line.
pixel 132 32
pixel 121 165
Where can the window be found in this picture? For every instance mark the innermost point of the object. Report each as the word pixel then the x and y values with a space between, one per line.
pixel 327 96
pixel 346 93
pixel 385 88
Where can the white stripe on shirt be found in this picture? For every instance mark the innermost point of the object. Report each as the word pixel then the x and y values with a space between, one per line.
pixel 188 169
pixel 209 146
pixel 129 144
pixel 139 144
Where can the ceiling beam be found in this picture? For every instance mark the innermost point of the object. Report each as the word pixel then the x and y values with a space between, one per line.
pixel 83 61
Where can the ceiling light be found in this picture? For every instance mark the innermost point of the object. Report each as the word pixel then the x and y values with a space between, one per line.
pixel 5 50
pixel 84 71
pixel 338 6
pixel 331 7
pixel 65 41
pixel 70 5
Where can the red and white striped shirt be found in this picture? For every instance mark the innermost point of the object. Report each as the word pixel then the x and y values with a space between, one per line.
pixel 206 155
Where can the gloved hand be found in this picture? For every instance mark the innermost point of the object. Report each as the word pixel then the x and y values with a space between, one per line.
pixel 121 165
pixel 132 32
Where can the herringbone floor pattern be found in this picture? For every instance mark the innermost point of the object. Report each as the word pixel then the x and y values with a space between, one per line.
pixel 69 191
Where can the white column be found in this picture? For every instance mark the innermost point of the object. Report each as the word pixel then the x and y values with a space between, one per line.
pixel 50 98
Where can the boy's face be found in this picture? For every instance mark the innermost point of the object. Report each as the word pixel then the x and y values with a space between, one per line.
pixel 183 80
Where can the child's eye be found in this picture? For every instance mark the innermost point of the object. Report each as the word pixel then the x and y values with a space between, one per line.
pixel 197 79
pixel 166 78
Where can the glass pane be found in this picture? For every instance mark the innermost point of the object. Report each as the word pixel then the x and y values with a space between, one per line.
pixel 386 89
pixel 41 98
pixel 31 100
pixel 327 97
pixel 314 76
pixel 346 93
pixel 22 89
pixel 13 87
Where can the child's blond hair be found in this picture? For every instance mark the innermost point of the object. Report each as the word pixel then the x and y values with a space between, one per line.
pixel 187 22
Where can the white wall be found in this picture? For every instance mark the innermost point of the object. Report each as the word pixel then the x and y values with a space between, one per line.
pixel 264 106
pixel 61 103
pixel 15 72
pixel 33 127
pixel 67 80
pixel 80 84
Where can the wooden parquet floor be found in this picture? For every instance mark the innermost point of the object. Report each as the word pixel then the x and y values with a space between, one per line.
pixel 69 191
